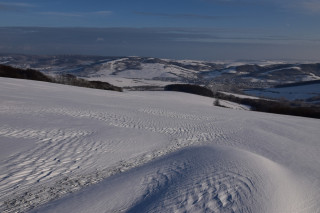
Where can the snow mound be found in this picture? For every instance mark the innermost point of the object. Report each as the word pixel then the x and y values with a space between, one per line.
pixel 198 179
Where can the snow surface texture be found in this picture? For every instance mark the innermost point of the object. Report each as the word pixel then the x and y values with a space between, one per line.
pixel 150 152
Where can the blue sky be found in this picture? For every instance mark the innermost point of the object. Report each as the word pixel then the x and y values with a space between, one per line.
pixel 286 29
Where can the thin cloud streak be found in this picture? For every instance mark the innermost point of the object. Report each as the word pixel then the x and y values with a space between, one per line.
pixel 299 6
pixel 14 7
pixel 76 14
pixel 156 42
pixel 16 4
pixel 236 3
pixel 61 14
pixel 178 15
pixel 103 12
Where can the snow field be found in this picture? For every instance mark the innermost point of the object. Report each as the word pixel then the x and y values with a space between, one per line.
pixel 290 93
pixel 117 73
pixel 150 152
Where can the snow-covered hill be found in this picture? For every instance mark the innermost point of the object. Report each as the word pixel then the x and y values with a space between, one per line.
pixel 257 73
pixel 146 73
pixel 71 149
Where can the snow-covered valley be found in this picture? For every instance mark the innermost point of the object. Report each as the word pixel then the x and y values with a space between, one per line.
pixel 71 149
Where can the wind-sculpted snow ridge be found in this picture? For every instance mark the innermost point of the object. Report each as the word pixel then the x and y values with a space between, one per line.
pixel 198 179
pixel 69 149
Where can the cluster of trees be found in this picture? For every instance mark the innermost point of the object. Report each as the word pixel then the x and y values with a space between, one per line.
pixel 261 105
pixel 11 72
pixel 74 81
pixel 284 107
pixel 189 88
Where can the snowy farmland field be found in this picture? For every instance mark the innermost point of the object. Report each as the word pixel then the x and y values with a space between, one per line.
pixel 290 93
pixel 71 149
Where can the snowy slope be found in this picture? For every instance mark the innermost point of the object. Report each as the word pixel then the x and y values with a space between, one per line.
pixel 239 95
pixel 233 105
pixel 150 152
pixel 199 179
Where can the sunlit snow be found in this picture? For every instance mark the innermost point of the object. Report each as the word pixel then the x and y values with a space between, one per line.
pixel 71 149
